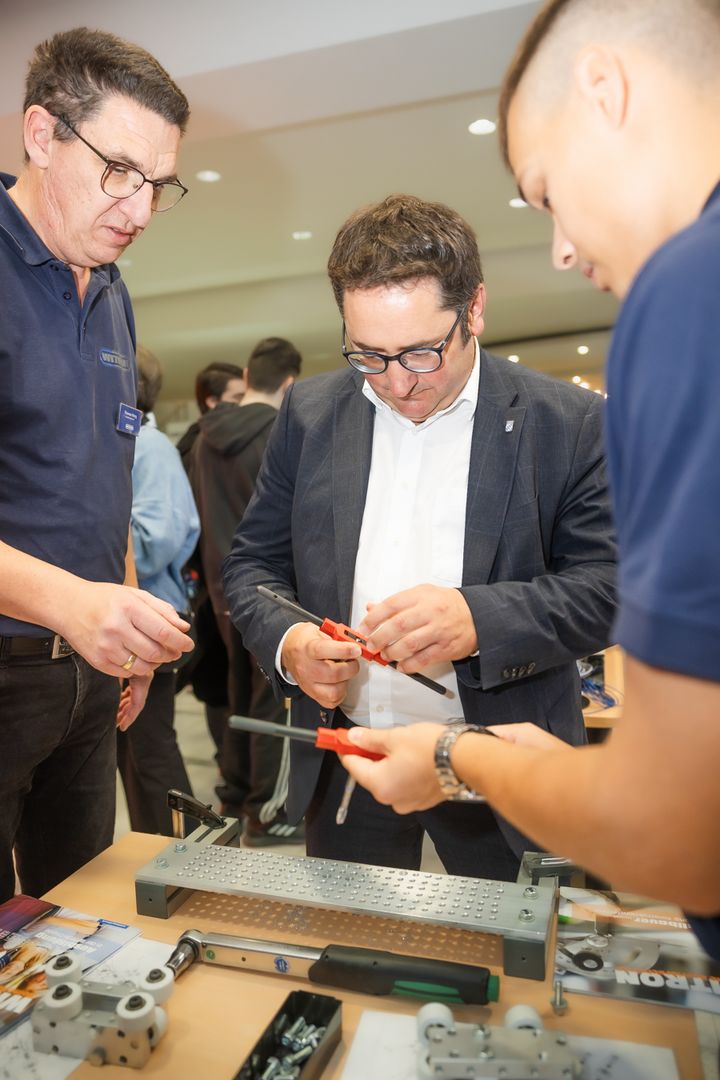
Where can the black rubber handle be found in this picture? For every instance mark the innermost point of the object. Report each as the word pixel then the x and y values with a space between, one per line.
pixel 371 972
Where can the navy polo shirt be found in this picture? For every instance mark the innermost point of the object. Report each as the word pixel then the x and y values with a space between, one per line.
pixel 65 470
pixel 663 437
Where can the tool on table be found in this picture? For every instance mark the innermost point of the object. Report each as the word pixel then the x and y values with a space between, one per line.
pixel 367 971
pixel 520 916
pixel 340 632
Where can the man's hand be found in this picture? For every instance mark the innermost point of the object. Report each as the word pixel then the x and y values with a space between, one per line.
pixel 417 627
pixel 132 700
pixel 405 778
pixel 108 623
pixel 320 666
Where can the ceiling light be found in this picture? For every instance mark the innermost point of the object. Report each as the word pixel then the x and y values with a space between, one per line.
pixel 208 176
pixel 518 203
pixel 302 234
pixel 481 127
pixel 514 358
pixel 576 379
pixel 583 350
pixel 585 385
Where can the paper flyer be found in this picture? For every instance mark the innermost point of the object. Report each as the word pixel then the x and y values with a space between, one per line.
pixel 624 946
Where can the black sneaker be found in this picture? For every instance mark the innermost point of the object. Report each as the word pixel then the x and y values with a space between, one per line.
pixel 275 832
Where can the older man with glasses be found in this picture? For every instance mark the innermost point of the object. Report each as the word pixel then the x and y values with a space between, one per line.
pixel 451 506
pixel 69 627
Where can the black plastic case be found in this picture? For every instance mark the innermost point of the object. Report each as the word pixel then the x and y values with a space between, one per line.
pixel 318 1009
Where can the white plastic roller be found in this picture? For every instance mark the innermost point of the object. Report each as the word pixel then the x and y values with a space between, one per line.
pixel 523 1016
pixel 63 968
pixel 136 1011
pixel 159 983
pixel 64 1001
pixel 433 1015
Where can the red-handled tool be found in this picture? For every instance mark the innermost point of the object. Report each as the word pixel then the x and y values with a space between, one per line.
pixel 335 739
pixel 339 632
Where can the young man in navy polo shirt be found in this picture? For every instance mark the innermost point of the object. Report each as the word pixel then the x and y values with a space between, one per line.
pixel 610 122
pixel 102 126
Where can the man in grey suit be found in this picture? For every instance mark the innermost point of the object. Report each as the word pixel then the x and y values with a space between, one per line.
pixel 456 502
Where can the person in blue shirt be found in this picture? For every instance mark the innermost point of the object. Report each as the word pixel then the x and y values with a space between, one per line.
pixel 165 527
pixel 101 127
pixel 609 120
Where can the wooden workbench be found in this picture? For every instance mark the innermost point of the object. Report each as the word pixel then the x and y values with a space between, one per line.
pixel 216 1014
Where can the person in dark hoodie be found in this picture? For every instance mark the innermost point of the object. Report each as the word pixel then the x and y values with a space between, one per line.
pixel 225 462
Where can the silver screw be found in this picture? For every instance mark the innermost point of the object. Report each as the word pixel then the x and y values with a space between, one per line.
pixel 530 891
pixel 293 1031
pixel 161 862
pixel 558 1000
pixel 181 847
pixel 294 1059
pixel 526 915
pixel 272 1067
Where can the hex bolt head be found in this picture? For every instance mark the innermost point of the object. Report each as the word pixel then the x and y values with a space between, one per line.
pixel 526 915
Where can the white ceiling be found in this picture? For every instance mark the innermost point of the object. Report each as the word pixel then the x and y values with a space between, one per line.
pixel 309 111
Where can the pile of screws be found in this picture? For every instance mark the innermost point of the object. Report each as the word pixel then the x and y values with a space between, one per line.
pixel 298 1042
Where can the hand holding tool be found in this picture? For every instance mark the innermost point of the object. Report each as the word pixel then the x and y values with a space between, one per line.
pixel 335 739
pixel 340 632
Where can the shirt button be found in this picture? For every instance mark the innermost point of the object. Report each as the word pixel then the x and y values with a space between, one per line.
pixel 67 296
pixel 506 673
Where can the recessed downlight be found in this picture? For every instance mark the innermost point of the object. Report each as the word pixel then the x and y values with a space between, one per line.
pixel 302 234
pixel 583 350
pixel 482 127
pixel 517 203
pixel 208 176
pixel 514 358
pixel 577 379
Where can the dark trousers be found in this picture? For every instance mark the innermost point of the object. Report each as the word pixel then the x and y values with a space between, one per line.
pixel 149 759
pixel 466 835
pixel 57 769
pixel 250 764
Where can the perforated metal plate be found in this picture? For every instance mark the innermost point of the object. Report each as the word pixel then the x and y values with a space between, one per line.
pixel 494 907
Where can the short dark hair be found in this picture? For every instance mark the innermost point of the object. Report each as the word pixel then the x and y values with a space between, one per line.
pixel 404 238
pixel 150 377
pixel 270 363
pixel 212 382
pixel 72 73
pixel 525 53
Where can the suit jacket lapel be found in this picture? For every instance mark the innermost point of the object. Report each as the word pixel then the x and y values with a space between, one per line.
pixel 352 451
pixel 493 457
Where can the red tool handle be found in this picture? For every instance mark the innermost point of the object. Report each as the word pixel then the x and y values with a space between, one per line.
pixel 337 739
pixel 340 632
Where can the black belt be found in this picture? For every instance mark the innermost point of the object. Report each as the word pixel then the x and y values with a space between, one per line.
pixel 52 648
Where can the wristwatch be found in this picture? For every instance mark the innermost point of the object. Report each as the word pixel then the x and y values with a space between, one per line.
pixel 451 786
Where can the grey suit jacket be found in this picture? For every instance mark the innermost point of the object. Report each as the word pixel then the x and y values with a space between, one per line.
pixel 539 555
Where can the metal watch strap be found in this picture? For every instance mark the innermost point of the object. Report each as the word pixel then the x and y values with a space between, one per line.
pixel 451 786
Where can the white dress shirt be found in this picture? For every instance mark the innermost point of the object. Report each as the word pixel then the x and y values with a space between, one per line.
pixel 413 533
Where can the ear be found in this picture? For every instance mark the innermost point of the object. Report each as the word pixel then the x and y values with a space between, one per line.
pixel 601 79
pixel 476 312
pixel 212 400
pixel 38 132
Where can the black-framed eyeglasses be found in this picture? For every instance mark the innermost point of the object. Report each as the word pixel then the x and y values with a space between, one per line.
pixel 120 180
pixel 420 361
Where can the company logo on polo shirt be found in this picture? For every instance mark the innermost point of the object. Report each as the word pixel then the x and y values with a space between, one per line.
pixel 114 359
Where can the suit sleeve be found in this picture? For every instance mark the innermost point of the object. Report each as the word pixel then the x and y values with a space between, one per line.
pixel 527 627
pixel 261 553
